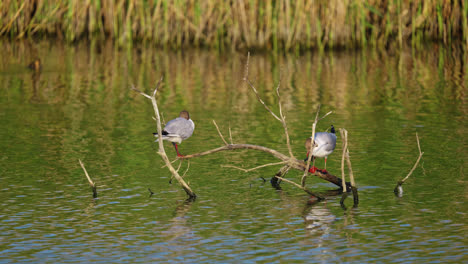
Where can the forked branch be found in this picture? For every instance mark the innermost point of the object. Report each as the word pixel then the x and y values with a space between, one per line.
pixel 281 118
pixel 161 150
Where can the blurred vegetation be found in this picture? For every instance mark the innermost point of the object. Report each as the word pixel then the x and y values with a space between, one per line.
pixel 253 24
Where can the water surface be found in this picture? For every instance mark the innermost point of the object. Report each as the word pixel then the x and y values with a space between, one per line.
pixel 79 106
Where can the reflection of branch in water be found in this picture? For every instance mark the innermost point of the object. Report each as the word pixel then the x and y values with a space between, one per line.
pixel 35 78
pixel 318 220
pixel 349 220
pixel 178 227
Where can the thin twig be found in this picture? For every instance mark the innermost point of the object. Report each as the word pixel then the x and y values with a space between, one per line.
pixel 324 116
pixel 255 168
pixel 416 164
pixel 230 134
pixel 281 118
pixel 398 188
pixel 301 187
pixel 345 145
pixel 180 165
pixel 93 184
pixel 351 174
pixel 312 145
pixel 188 166
pixel 350 169
pixel 261 101
pixel 162 119
pixel 219 132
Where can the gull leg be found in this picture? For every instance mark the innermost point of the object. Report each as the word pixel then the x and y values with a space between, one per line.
pixel 312 169
pixel 325 169
pixel 177 150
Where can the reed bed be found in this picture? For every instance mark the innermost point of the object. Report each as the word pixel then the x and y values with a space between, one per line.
pixel 240 24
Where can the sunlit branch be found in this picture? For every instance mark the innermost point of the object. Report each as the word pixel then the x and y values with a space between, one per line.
pixel 255 168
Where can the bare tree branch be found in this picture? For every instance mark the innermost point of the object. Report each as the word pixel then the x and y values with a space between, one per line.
pixel 350 169
pixel 292 163
pixel 281 118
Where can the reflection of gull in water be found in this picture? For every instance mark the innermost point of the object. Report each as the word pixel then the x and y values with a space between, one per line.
pixel 319 219
pixel 318 223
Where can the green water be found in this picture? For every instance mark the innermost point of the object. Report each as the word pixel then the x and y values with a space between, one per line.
pixel 79 106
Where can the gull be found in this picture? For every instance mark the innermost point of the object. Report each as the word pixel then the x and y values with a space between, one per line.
pixel 324 145
pixel 177 130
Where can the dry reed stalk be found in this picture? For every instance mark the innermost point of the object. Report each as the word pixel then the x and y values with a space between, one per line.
pixel 290 25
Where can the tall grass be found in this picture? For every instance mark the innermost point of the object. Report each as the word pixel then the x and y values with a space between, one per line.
pixel 254 24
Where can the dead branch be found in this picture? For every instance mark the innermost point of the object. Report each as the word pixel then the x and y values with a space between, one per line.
pixel 161 150
pixel 292 163
pixel 344 136
pixel 301 187
pixel 288 161
pixel 255 168
pixel 398 188
pixel 350 169
pixel 93 184
pixel 282 118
